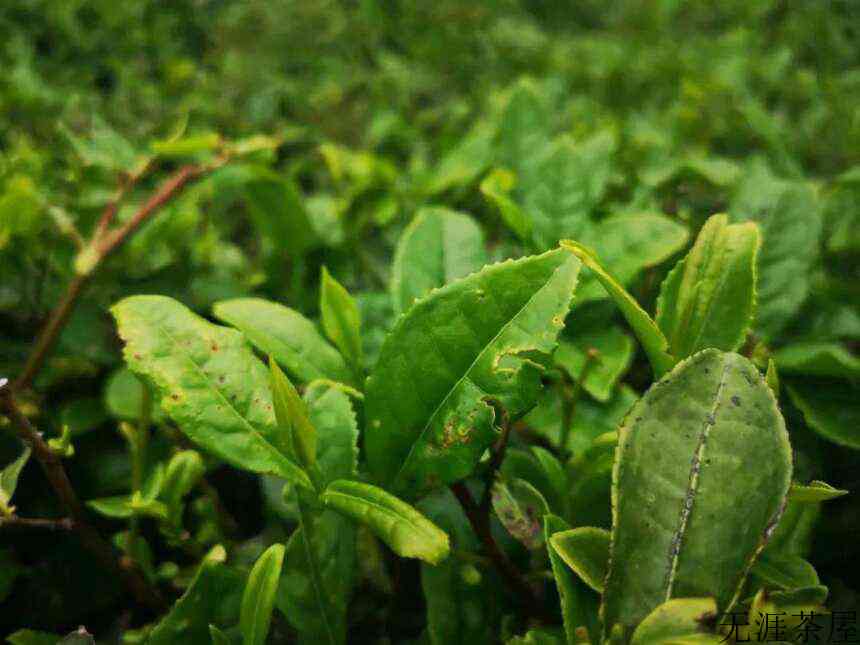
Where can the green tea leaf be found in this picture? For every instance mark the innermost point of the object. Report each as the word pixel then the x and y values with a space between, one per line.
pixel 578 605
pixel 521 509
pixel 783 571
pixel 399 525
pixel 585 550
pixel 214 586
pixel 496 188
pixel 815 491
pixel 789 217
pixel 292 416
pixel 340 319
pixel 707 300
pixel 682 621
pixel 287 335
pixel 817 359
pixel 332 415
pixel 209 381
pixel 183 473
pixel 9 481
pixel 462 602
pixel 463 163
pixel 429 427
pixel 218 637
pixel 627 244
pixel 829 408
pixel 707 441
pixel 318 574
pixel 258 599
pixel 653 342
pixel 437 247
pixel 607 353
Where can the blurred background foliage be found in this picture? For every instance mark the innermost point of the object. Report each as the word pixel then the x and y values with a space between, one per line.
pixel 378 107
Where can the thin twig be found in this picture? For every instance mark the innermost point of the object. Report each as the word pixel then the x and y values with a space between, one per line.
pixel 480 521
pixel 125 187
pixel 53 468
pixel 102 245
pixel 15 522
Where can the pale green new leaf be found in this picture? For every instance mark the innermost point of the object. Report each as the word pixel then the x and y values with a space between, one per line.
pixel 209 382
pixel 814 491
pixel 183 472
pixel 291 415
pixel 585 550
pixel 652 339
pixel 287 335
pixel 399 525
pixel 606 352
pixel 9 481
pixel 341 319
pixel 578 604
pixel 438 246
pixel 682 621
pixel 428 427
pixel 258 600
pixel 707 300
pixel 703 467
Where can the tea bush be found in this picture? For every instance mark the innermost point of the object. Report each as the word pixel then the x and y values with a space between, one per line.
pixel 406 322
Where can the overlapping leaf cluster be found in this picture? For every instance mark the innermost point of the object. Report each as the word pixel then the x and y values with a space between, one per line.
pixel 515 322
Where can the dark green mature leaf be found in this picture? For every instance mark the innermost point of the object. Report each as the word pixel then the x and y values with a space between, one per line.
pixel 318 574
pixel 566 185
pixel 783 571
pixel 681 621
pixel 214 587
pixel 438 246
pixel 31 637
pixel 703 443
pixel 340 319
pixel 789 217
pixel 606 352
pixel 429 427
pixel 578 605
pixel 399 525
pixel 461 600
pixel 818 359
pixel 258 600
pixel 829 408
pixel 291 415
pixel 707 300
pixel 287 335
pixel 209 381
pixel 652 339
pixel 586 551
pixel 9 481
pixel 520 508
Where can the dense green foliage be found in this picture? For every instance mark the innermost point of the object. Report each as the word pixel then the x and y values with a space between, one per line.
pixel 427 322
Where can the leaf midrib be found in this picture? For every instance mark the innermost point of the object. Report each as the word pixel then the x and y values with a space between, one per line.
pixel 456 386
pixel 316 578
pixel 693 484
pixel 202 374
